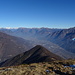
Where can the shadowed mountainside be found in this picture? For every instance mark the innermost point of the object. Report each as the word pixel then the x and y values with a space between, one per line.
pixel 34 55
pixel 64 38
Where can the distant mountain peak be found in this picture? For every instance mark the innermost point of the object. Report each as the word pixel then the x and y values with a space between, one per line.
pixel 9 27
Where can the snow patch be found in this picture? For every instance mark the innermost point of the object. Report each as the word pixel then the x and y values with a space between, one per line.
pixel 73 39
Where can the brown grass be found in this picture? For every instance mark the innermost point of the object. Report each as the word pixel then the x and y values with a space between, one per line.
pixel 45 68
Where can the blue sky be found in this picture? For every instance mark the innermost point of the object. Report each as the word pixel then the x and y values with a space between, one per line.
pixel 37 13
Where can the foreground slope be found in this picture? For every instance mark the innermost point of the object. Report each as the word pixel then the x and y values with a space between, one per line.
pixel 43 68
pixel 35 55
pixel 11 46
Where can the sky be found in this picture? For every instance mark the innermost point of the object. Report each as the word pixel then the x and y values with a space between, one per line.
pixel 37 13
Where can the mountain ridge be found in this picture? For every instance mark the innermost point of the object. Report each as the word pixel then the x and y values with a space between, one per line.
pixel 35 55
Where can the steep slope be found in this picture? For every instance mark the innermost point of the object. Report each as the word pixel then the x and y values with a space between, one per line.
pixel 64 38
pixel 11 46
pixel 35 55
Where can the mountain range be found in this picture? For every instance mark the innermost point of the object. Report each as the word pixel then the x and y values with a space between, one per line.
pixel 58 41
pixel 64 38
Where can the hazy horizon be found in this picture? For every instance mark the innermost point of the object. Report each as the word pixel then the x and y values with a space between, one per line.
pixel 34 27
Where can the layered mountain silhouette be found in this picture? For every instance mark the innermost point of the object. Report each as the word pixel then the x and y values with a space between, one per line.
pixel 34 55
pixel 48 38
pixel 11 46
pixel 64 39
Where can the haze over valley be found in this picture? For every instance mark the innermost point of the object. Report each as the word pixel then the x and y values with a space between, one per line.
pixel 58 41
